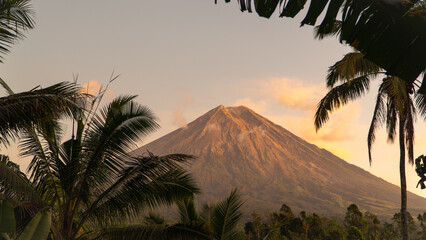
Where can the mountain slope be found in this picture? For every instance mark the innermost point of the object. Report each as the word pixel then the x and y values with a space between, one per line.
pixel 235 147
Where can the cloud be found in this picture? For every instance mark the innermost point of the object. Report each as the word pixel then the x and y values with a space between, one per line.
pixel 259 106
pixel 295 102
pixel 340 127
pixel 212 127
pixel 293 93
pixel 258 129
pixel 178 112
pixel 94 88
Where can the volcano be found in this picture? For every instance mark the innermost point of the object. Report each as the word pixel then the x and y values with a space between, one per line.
pixel 236 147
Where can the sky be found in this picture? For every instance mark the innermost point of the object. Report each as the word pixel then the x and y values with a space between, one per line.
pixel 183 58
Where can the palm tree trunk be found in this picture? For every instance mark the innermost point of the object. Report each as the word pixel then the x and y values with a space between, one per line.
pixel 404 226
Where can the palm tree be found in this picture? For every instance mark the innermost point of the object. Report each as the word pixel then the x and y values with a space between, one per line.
pixel 90 182
pixel 16 17
pixel 392 34
pixel 394 107
pixel 214 222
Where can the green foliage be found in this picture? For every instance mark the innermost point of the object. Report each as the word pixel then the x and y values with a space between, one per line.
pixel 312 226
pixel 373 226
pixel 218 222
pixel 284 219
pixel 153 219
pixel 39 226
pixel 226 216
pixel 389 232
pixel 355 218
pixel 332 229
pixel 91 182
pixel 37 229
pixel 257 230
pixel 354 234
pixel 7 217
pixel 187 213
pixel 410 222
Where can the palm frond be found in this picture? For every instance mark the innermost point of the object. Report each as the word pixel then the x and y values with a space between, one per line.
pixel 410 113
pixel 108 138
pixel 153 218
pixel 391 120
pixel 351 66
pixel 16 17
pixel 420 100
pixel 18 111
pixel 6 87
pixel 206 214
pixel 43 146
pixel 16 185
pixel 379 116
pixel 226 216
pixel 396 91
pixel 38 227
pixel 319 32
pixel 146 182
pixel 68 165
pixel 339 96
pixel 187 212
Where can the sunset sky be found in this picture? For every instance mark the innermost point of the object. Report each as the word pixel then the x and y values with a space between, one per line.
pixel 186 57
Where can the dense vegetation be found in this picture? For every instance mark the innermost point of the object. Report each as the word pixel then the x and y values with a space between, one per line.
pixel 356 225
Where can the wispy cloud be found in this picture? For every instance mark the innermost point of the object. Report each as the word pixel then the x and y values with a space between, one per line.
pixel 293 93
pixel 178 112
pixel 258 129
pixel 93 87
pixel 258 106
pixel 213 127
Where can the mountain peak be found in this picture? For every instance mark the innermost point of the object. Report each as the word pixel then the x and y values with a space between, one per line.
pixel 236 147
pixel 236 108
pixel 241 115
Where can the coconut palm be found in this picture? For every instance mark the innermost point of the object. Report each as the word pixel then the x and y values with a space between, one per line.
pixel 349 79
pixel 91 182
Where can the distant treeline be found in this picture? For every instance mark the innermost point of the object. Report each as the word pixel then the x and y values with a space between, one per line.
pixel 356 225
pixel 223 221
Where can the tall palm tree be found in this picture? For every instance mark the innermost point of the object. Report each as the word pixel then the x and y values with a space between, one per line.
pixel 91 182
pixel 395 106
